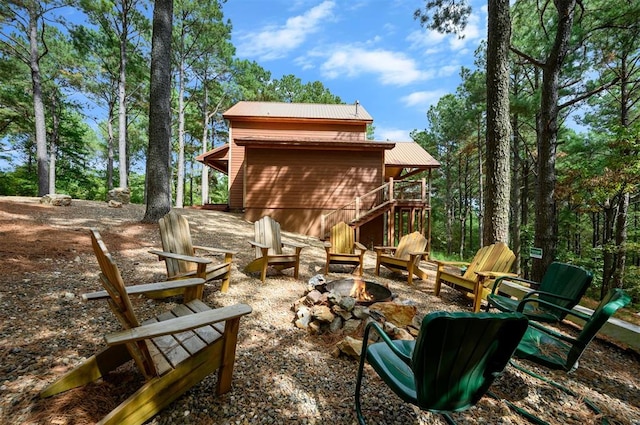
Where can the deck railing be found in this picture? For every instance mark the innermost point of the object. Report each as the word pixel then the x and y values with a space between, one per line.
pixel 374 200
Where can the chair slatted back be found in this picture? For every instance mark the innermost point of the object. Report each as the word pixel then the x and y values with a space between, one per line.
pixel 342 239
pixel 413 242
pixel 120 303
pixel 496 257
pixel 267 232
pixel 176 238
pixel 566 280
pixel 458 355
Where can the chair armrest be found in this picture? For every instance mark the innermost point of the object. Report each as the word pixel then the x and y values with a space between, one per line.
pixel 259 245
pixel 359 246
pixel 569 312
pixel 495 275
pixel 163 254
pixel 147 287
pixel 420 253
pixel 510 277
pixel 529 295
pixel 451 263
pixel 215 250
pixel 179 324
pixel 377 329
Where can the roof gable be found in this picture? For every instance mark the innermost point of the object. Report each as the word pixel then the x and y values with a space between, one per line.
pixel 303 111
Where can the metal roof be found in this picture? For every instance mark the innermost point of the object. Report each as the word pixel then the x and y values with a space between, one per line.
pixel 409 154
pixel 355 112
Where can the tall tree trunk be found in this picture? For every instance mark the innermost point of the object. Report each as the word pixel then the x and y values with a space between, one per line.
pixel 54 141
pixel 547 134
pixel 515 208
pixel 205 129
pixel 110 150
pixel 608 257
pixel 38 103
pixel 524 212
pixel 180 176
pixel 496 218
pixel 159 153
pixel 122 101
pixel 480 183
pixel 621 241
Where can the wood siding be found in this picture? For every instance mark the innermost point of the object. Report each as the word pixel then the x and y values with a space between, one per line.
pixel 297 186
pixel 286 130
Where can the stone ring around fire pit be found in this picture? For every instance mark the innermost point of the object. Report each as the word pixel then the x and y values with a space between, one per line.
pixel 346 305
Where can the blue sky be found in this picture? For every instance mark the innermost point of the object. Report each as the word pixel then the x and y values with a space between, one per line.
pixel 372 51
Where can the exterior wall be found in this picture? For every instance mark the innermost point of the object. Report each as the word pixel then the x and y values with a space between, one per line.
pixel 297 186
pixel 287 130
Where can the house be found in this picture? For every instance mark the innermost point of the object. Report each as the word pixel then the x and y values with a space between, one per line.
pixel 311 165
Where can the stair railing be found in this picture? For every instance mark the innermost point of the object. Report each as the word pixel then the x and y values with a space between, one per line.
pixel 371 201
pixel 358 208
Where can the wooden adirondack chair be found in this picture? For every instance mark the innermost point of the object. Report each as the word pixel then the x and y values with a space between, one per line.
pixel 489 261
pixel 268 245
pixel 406 256
pixel 178 253
pixel 342 248
pixel 174 351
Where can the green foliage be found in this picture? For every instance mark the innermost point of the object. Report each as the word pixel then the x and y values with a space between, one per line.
pixel 19 182
pixel 136 186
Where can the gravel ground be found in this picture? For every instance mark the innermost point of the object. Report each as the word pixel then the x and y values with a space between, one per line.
pixel 283 375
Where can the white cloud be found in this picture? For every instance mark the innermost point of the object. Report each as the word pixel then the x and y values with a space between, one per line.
pixel 392 134
pixel 423 99
pixel 448 70
pixel 426 39
pixel 392 68
pixel 274 42
pixel 473 32
pixel 433 41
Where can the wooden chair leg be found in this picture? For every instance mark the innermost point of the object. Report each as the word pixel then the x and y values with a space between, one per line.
pixel 263 272
pixel 225 372
pixel 296 268
pixel 226 279
pixel 436 289
pixel 477 297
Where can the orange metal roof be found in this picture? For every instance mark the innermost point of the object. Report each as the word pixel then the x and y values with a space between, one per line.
pixel 217 158
pixel 353 112
pixel 409 154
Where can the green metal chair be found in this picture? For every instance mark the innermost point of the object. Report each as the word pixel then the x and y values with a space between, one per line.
pixel 561 288
pixel 554 350
pixel 451 364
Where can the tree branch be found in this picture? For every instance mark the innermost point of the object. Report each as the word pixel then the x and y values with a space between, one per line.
pixel 588 94
pixel 528 58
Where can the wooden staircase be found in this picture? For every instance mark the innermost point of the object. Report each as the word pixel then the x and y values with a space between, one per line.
pixel 392 197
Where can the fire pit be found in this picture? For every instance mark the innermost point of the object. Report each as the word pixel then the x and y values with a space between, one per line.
pixel 365 292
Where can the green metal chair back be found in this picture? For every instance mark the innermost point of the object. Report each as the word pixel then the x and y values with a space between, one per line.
pixel 564 285
pixel 554 350
pixel 451 365
pixel 561 288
